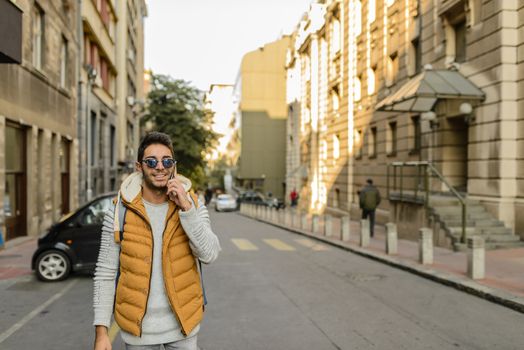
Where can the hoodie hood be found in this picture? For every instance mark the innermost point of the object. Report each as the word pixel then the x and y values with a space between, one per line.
pixel 132 185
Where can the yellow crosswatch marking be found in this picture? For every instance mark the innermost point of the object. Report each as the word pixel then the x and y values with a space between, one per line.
pixel 278 244
pixel 244 244
pixel 311 244
pixel 113 331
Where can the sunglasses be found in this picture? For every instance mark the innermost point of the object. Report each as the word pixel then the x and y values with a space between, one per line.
pixel 152 162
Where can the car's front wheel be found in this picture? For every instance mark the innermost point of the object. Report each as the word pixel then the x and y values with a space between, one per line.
pixel 52 266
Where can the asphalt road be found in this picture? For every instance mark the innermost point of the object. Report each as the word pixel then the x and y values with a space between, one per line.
pixel 271 289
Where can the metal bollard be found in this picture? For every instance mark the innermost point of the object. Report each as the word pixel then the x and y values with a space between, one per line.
pixel 476 258
pixel 315 227
pixel 391 238
pixel 426 246
pixel 346 228
pixel 364 233
pixel 328 225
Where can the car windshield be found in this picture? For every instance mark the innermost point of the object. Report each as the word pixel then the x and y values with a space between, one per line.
pixel 224 197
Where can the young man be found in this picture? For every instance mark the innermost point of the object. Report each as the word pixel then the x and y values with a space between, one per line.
pixel 148 275
pixel 369 200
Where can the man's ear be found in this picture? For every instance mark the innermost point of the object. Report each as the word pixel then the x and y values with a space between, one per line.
pixel 138 166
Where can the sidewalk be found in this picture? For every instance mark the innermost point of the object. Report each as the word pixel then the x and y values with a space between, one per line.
pixel 15 258
pixel 504 282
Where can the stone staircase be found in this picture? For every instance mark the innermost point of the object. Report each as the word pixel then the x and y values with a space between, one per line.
pixel 447 211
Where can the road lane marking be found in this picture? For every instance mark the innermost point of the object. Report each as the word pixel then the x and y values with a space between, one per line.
pixel 35 312
pixel 113 331
pixel 278 244
pixel 312 244
pixel 244 244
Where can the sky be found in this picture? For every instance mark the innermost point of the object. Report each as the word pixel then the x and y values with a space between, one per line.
pixel 203 41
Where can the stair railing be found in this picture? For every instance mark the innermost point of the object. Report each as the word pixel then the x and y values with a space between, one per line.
pixel 429 171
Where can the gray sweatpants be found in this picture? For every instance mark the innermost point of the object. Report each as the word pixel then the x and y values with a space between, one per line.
pixel 184 344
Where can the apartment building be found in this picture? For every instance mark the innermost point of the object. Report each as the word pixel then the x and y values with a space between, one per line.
pixel 130 88
pixel 261 115
pixel 422 82
pixel 38 115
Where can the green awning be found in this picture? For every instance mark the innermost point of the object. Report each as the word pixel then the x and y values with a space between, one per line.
pixel 422 92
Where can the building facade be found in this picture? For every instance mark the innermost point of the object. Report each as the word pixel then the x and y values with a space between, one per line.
pixel 420 82
pixel 38 121
pixel 261 112
pixel 130 90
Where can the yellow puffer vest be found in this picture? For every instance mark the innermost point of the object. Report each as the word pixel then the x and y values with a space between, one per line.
pixel 180 270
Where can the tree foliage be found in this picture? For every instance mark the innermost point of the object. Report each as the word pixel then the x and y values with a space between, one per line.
pixel 176 108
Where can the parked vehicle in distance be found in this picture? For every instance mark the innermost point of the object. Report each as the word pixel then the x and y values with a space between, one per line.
pixel 225 202
pixel 257 198
pixel 72 244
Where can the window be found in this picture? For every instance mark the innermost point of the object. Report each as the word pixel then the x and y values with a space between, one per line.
pixel 324 149
pixel 357 91
pixel 335 101
pixel 391 69
pixel 94 214
pixel 336 146
pixel 372 11
pixel 372 142
pixel 38 37
pixel 460 41
pixel 104 74
pixel 358 17
pixel 416 135
pixel 113 145
pixel 391 139
pixel 101 149
pixel 358 143
pixel 390 2
pixel 336 199
pixel 415 57
pixel 63 64
pixel 371 81
pixel 335 36
pixel 92 147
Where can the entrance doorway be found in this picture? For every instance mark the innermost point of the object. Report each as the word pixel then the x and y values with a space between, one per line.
pixel 15 182
pixel 455 153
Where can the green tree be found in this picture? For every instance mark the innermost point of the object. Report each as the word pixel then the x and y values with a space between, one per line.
pixel 176 108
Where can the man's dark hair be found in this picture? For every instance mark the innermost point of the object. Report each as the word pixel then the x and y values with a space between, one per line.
pixel 152 138
pixel 369 181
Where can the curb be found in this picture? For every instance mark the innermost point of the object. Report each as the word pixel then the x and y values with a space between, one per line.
pixel 460 283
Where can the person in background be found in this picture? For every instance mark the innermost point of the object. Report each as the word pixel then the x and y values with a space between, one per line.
pixel 294 197
pixel 369 198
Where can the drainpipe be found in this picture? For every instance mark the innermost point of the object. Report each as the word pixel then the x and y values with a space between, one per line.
pixel 80 114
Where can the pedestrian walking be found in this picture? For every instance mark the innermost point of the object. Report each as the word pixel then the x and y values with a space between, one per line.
pixel 369 198
pixel 147 273
pixel 294 197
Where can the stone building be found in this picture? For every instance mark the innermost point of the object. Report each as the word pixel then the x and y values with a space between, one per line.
pixel 427 87
pixel 38 120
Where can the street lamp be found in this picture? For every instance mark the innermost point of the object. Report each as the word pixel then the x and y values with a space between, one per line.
pixel 91 78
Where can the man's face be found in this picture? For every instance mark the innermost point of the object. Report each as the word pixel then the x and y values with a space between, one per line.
pixel 156 178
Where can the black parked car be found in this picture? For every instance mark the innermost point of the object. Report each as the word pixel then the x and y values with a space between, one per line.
pixel 73 243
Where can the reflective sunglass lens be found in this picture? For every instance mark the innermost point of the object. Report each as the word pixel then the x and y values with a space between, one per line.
pixel 168 163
